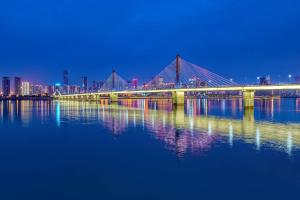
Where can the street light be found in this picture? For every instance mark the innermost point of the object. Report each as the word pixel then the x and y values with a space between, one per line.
pixel 290 78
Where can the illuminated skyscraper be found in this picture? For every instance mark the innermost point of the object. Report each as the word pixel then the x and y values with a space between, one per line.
pixel 25 88
pixel 17 86
pixel 6 86
pixel 37 90
pixel 95 86
pixel 50 90
pixel 84 83
pixel 134 83
pixel 65 77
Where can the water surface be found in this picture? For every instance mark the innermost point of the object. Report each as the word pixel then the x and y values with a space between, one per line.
pixel 140 149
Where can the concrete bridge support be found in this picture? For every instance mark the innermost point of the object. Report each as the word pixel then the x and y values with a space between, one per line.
pixel 178 98
pixel 113 97
pixel 248 96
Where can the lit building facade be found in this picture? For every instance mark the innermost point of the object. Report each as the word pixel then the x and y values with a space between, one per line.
pixel 134 83
pixel 6 86
pixel 25 89
pixel 17 83
pixel 65 77
pixel 84 83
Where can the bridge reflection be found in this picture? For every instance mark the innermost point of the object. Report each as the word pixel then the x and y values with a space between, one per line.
pixel 186 128
pixel 190 128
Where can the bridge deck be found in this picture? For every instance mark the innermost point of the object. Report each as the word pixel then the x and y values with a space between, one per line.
pixel 201 89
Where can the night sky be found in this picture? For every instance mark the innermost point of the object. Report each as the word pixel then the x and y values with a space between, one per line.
pixel 238 39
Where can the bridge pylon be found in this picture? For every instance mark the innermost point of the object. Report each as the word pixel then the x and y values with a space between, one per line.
pixel 177 78
pixel 113 78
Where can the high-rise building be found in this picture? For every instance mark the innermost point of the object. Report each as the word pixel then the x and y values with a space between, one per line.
pixel 95 86
pixel 50 90
pixel 17 86
pixel 134 83
pixel 65 89
pixel 65 77
pixel 37 90
pixel 101 84
pixel 25 88
pixel 6 86
pixel 73 89
pixel 84 83
pixel 265 80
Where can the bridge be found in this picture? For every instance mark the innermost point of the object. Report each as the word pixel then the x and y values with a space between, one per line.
pixel 178 78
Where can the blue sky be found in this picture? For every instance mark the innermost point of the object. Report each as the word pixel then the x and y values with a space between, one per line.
pixel 236 39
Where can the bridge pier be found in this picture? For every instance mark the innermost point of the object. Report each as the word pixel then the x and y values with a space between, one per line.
pixel 113 97
pixel 248 96
pixel 178 98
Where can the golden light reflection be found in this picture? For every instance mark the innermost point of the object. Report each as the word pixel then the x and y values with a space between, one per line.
pixel 24 111
pixel 182 128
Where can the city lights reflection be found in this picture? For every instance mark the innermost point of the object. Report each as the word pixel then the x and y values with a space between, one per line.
pixel 57 113
pixel 184 130
pixel 230 134
pixel 181 129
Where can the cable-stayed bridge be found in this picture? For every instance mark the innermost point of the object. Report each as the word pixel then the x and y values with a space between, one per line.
pixel 178 78
pixel 182 74
pixel 114 83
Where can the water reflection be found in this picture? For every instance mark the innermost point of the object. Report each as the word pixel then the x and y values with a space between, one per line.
pixel 57 113
pixel 194 128
pixel 189 128
pixel 24 111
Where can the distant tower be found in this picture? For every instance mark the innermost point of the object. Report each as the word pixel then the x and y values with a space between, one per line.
pixel 18 86
pixel 177 80
pixel 85 83
pixel 6 86
pixel 65 77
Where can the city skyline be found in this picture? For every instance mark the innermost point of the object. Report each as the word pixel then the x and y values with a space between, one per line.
pixel 74 79
pixel 65 80
pixel 14 85
pixel 179 74
pixel 91 40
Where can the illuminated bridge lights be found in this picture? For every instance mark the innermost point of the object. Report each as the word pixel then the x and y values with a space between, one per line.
pixel 178 93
